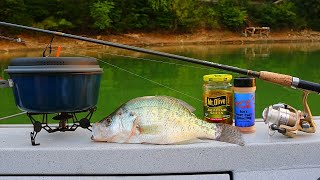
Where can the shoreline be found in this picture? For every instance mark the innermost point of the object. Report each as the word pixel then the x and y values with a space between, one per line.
pixel 162 39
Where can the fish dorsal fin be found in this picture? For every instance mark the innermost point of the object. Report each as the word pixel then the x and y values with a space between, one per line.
pixel 183 103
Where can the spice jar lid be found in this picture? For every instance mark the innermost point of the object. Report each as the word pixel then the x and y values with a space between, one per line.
pixel 244 82
pixel 217 77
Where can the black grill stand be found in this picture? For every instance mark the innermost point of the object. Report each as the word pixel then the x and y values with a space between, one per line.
pixel 63 118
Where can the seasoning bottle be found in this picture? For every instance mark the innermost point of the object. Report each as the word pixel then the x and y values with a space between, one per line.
pixel 244 103
pixel 218 98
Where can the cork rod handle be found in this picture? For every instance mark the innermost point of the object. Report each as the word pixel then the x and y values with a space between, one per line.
pixel 277 78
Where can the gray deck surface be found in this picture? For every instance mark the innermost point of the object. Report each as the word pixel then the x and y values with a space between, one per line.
pixel 73 153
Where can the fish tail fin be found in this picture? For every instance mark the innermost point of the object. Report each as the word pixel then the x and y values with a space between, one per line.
pixel 229 134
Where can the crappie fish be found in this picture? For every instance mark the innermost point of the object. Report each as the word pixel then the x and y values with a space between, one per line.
pixel 160 120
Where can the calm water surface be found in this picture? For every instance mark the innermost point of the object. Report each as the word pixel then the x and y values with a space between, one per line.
pixel 129 77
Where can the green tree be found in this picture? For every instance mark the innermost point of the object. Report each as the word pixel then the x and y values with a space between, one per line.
pixel 131 15
pixel 309 11
pixel 162 5
pixel 39 9
pixel 145 15
pixel 77 12
pixel 100 13
pixel 184 14
pixel 231 13
pixel 208 16
pixel 63 15
pixel 54 24
pixel 285 15
pixel 14 11
pixel 277 16
pixel 187 14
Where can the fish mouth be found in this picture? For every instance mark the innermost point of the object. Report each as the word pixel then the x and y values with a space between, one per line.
pixel 97 133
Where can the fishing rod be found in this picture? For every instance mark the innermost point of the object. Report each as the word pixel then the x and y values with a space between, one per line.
pixel 281 79
pixel 299 121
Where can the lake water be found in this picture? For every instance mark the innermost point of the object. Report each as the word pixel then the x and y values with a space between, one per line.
pixel 125 78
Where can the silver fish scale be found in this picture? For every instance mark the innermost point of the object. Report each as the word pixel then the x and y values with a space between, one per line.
pixel 160 120
pixel 163 107
pixel 157 101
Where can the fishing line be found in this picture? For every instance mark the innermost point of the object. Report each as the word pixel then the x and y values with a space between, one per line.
pixel 151 60
pixel 137 75
pixel 14 115
pixel 130 72
pixel 142 77
pixel 171 63
pixel 125 70
pixel 112 54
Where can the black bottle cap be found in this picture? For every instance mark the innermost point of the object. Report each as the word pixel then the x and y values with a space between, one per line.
pixel 244 82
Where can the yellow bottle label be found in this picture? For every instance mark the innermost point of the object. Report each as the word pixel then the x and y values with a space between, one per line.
pixel 218 106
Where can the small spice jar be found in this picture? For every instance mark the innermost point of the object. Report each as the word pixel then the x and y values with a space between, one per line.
pixel 218 98
pixel 244 103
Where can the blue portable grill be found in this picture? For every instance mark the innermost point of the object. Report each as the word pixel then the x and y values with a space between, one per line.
pixel 48 85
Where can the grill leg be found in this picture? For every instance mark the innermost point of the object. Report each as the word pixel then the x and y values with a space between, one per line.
pixel 33 138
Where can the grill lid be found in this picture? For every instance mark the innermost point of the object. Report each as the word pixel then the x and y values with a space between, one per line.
pixel 54 65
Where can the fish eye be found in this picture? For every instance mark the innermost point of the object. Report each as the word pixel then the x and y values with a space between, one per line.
pixel 108 121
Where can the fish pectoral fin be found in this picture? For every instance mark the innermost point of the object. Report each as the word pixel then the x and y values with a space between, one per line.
pixel 135 130
pixel 135 127
pixel 150 129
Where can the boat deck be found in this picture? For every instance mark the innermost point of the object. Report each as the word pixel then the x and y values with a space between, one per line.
pixel 75 156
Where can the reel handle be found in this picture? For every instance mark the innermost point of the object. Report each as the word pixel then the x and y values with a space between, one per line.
pixel 309 117
pixel 274 127
pixel 302 120
pixel 287 120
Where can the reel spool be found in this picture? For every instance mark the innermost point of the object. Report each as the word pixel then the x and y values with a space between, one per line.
pixel 287 120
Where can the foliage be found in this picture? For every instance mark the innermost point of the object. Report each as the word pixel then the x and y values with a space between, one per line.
pixel 209 17
pixel 182 13
pixel 100 13
pixel 309 11
pixel 130 15
pixel 277 15
pixel 54 24
pixel 39 13
pixel 231 14
pixel 14 11
pixel 147 15
pixel 284 14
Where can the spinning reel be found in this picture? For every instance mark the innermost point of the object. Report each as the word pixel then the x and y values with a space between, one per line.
pixel 287 120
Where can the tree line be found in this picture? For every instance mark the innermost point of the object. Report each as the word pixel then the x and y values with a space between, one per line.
pixel 153 15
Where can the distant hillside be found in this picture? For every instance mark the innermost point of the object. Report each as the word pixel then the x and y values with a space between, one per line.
pixel 120 16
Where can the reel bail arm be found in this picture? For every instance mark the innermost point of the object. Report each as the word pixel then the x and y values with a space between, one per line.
pixel 287 120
